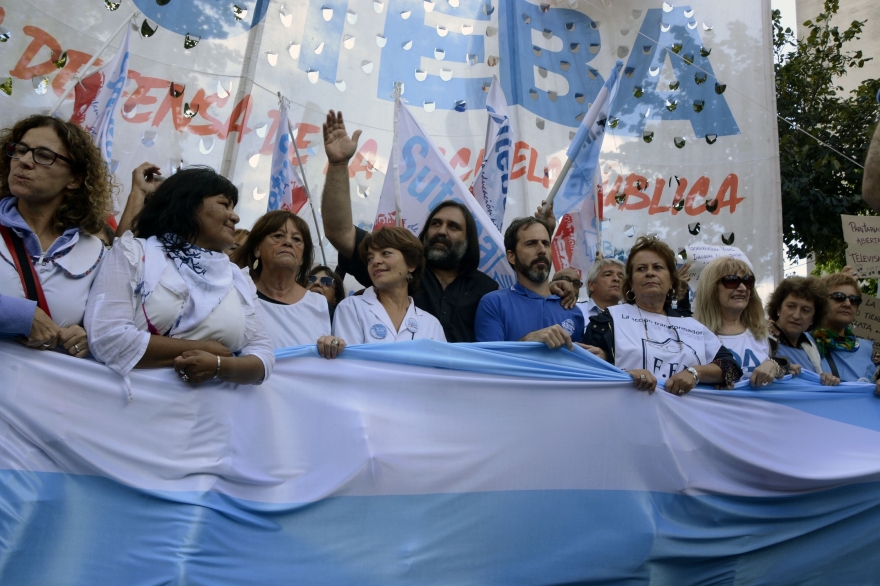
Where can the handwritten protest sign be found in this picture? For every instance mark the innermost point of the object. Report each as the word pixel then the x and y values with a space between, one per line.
pixel 867 322
pixel 699 255
pixel 862 235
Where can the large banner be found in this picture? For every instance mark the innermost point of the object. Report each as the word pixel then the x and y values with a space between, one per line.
pixel 690 149
pixel 426 463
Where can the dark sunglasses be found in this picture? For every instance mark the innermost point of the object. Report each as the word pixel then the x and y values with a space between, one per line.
pixel 576 282
pixel 734 281
pixel 856 300
pixel 42 156
pixel 325 281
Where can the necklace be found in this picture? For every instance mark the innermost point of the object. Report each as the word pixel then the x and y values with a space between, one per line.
pixel 669 325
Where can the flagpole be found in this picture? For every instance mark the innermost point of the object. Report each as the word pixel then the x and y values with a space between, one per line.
pixel 77 76
pixel 302 173
pixel 395 158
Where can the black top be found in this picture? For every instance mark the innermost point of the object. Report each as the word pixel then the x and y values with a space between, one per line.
pixel 454 307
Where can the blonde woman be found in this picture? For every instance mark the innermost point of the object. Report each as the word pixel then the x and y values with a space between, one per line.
pixel 728 304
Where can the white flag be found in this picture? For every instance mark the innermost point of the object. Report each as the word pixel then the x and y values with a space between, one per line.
pixel 286 191
pixel 490 183
pixel 424 180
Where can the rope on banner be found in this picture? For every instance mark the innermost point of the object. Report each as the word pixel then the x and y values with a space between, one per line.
pixel 77 77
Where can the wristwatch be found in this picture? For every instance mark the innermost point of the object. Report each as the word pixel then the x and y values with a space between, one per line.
pixel 693 371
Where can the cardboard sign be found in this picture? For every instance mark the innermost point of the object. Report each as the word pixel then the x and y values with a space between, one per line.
pixel 867 322
pixel 862 235
pixel 699 255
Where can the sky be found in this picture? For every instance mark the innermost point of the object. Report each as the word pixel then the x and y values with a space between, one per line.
pixel 788 10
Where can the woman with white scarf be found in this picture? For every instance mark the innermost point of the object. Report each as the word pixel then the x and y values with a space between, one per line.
pixel 172 298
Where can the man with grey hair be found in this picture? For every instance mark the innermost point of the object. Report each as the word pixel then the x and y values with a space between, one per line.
pixel 604 286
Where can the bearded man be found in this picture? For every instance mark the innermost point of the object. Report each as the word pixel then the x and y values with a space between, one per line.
pixel 528 311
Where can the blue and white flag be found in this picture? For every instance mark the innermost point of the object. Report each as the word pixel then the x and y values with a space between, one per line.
pixel 425 463
pixel 585 149
pixel 96 98
pixel 424 179
pixel 286 190
pixel 490 184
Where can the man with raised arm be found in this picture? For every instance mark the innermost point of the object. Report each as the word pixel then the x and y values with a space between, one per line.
pixel 528 311
pixel 452 286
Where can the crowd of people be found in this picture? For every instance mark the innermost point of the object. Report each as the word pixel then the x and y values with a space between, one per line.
pixel 178 286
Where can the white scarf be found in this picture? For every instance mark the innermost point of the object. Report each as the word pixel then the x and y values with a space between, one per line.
pixel 208 277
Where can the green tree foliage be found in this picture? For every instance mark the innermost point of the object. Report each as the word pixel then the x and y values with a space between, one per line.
pixel 819 184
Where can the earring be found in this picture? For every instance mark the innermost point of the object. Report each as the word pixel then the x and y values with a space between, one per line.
pixel 409 277
pixel 256 264
pixel 630 296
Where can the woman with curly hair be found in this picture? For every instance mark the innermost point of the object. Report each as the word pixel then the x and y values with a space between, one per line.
pixel 796 306
pixel 170 297
pixel 55 195
pixel 729 306
pixel 649 339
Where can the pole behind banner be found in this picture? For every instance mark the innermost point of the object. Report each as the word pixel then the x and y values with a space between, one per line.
pixel 395 158
pixel 302 173
pixel 77 77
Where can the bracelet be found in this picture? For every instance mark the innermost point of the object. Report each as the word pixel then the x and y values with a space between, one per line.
pixel 217 373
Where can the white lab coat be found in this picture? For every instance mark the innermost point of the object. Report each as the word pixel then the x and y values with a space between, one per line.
pixel 361 319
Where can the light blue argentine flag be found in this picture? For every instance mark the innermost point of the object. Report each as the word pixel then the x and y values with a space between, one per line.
pixel 429 463
pixel 585 149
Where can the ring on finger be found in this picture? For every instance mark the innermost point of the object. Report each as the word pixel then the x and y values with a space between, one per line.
pixel 184 378
pixel 680 392
pixel 335 342
pixel 765 383
pixel 46 344
pixel 76 348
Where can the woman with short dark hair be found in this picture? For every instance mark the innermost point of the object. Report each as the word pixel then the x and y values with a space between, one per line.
pixel 55 196
pixel 278 253
pixel 647 337
pixel 385 312
pixel 171 297
pixel 798 304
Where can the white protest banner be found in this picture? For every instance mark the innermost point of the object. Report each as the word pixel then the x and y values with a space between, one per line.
pixel 691 137
pixel 490 185
pixel 699 255
pixel 867 321
pixel 862 236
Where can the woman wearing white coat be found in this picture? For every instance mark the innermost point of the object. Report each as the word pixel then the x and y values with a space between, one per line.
pixel 385 312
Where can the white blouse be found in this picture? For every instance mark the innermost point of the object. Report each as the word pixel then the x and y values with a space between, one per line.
pixel 748 351
pixel 116 317
pixel 361 319
pixel 299 323
pixel 65 279
pixel 662 345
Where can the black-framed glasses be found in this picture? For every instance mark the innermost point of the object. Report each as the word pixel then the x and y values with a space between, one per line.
pixel 325 281
pixel 734 281
pixel 856 300
pixel 42 155
pixel 576 282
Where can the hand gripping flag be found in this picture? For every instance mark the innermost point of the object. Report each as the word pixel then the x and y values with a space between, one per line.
pixel 583 154
pixel 490 184
pixel 423 180
pixel 286 190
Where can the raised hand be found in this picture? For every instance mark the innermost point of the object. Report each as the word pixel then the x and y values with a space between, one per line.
pixel 337 144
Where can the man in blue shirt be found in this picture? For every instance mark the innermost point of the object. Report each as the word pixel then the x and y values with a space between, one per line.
pixel 527 311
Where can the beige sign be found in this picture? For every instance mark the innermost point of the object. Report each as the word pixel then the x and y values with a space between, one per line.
pixel 862 235
pixel 867 322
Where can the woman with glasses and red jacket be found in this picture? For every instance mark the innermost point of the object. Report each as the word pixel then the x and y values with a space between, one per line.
pixel 727 304
pixel 55 194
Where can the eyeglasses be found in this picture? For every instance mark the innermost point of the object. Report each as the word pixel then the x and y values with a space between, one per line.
pixel 734 281
pixel 576 282
pixel 856 300
pixel 325 281
pixel 42 155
